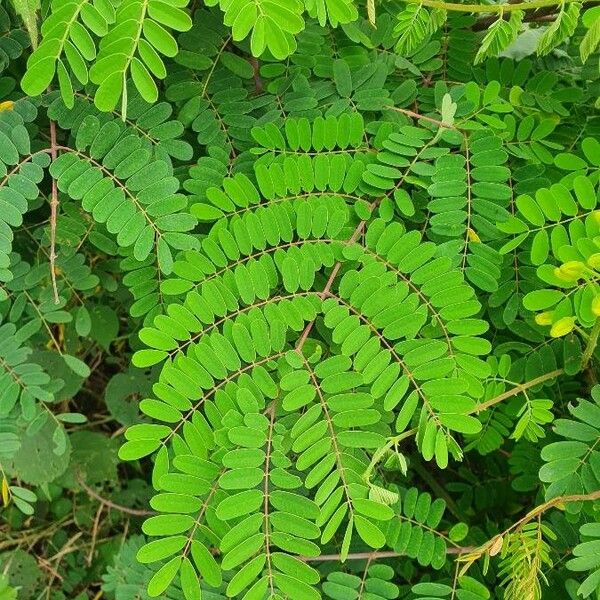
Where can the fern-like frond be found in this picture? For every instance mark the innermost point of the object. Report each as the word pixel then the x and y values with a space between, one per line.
pixel 415 24
pixel 571 464
pixel 560 29
pixel 500 35
pixel 118 181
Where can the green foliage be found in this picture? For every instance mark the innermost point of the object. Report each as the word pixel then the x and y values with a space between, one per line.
pixel 587 558
pixel 500 35
pixel 376 581
pixel 571 464
pixel 469 589
pixel 122 186
pixel 415 24
pixel 7 592
pixel 28 11
pixel 591 39
pixel 414 533
pixel 299 300
pixel 131 35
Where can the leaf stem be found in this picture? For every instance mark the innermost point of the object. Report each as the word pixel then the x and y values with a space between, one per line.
pixel 53 214
pixel 376 555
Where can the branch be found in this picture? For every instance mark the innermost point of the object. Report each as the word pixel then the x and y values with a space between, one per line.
pixel 592 343
pixel 53 213
pixel 505 7
pixel 327 289
pixel 355 236
pixel 258 84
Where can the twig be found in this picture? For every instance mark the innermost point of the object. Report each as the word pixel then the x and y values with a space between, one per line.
pixel 110 504
pixel 539 16
pixel 357 233
pixel 58 558
pixel 355 236
pixel 521 387
pixel 33 535
pixel 44 564
pixel 90 556
pixel 53 213
pixel 554 503
pixel 416 115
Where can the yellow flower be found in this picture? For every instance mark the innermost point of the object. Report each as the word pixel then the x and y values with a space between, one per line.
pixel 562 327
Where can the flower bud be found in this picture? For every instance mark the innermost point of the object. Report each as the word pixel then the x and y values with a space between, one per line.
pixel 562 327
pixel 544 318
pixel 570 271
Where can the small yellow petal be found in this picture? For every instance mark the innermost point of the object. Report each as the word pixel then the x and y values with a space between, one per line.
pixel 5 491
pixel 472 235
pixel 7 105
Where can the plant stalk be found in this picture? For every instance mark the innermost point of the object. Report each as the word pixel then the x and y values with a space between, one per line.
pixel 592 343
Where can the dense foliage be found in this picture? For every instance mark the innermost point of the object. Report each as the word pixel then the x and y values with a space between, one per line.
pixel 299 299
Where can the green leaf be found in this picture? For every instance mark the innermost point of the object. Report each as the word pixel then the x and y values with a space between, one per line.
pixel 76 365
pixel 163 577
pixel 189 581
pixel 161 549
pixel 368 532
